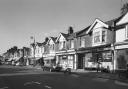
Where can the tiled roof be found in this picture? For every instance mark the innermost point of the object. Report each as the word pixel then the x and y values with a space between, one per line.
pixel 54 38
pixel 82 32
pixel 39 44
pixel 65 35
pixel 110 22
pixel 44 43
pixel 71 36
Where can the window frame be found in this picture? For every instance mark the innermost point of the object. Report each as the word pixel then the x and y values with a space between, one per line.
pixel 104 36
pixel 71 44
pixel 82 42
pixel 95 36
pixel 126 31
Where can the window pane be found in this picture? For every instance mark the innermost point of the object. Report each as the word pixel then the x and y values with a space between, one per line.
pixel 82 42
pixel 127 31
pixel 72 44
pixel 96 37
pixel 103 36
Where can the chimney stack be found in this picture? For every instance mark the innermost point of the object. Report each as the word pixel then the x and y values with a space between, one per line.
pixel 70 30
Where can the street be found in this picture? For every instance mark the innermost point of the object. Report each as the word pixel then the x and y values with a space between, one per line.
pixel 28 78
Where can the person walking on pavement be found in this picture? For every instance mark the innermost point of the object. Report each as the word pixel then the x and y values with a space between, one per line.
pixel 42 63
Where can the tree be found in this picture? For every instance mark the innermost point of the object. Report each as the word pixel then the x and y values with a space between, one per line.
pixel 124 8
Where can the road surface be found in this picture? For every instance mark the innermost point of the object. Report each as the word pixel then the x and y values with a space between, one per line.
pixel 28 78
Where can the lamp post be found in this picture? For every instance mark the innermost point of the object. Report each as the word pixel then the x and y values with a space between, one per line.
pixel 34 45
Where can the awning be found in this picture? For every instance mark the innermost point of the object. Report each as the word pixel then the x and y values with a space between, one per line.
pixel 34 58
pixel 10 59
pixel 49 58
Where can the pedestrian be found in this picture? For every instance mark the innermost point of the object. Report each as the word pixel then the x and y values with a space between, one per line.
pixel 42 63
pixel 98 66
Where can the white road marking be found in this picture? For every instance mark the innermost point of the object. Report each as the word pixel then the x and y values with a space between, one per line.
pixel 121 83
pixel 100 79
pixel 46 86
pixel 74 75
pixel 32 82
pixel 4 88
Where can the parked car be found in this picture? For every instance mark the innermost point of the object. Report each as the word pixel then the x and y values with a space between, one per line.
pixel 52 68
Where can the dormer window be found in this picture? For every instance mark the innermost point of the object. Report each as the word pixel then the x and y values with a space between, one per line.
pixel 53 47
pixel 71 44
pixel 103 36
pixel 82 42
pixel 62 45
pixel 97 37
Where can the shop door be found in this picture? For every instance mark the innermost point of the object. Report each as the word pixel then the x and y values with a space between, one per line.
pixel 81 61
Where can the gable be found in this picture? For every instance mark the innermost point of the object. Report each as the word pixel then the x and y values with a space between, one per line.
pixel 61 38
pixel 123 20
pixel 50 41
pixel 97 24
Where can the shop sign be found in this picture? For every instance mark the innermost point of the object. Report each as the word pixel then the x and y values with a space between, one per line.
pixel 64 57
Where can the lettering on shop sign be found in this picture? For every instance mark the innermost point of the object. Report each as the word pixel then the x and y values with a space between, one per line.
pixel 64 57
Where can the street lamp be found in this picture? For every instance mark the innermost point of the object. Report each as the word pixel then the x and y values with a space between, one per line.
pixel 34 46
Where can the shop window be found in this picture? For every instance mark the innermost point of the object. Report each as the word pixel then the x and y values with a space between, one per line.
pixel 121 62
pixel 107 57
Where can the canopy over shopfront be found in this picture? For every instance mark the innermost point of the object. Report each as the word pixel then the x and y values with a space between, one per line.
pixel 49 58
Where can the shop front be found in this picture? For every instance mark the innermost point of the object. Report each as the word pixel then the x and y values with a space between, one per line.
pixel 49 61
pixel 121 61
pixel 66 61
pixel 101 56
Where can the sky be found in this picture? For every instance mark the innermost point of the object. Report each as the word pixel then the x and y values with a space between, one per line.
pixel 21 19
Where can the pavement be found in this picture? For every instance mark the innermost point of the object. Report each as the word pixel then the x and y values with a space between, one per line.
pixel 111 76
pixel 87 73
